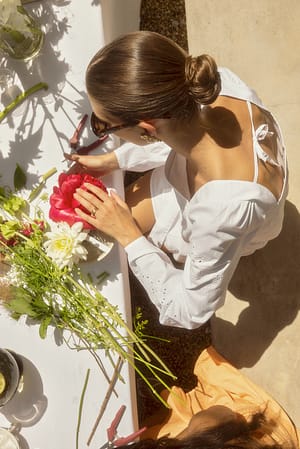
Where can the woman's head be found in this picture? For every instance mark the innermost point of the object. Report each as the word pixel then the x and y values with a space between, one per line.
pixel 221 428
pixel 144 75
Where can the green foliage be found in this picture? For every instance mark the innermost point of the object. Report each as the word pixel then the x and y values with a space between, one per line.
pixel 65 297
pixel 19 178
pixel 9 228
pixel 10 202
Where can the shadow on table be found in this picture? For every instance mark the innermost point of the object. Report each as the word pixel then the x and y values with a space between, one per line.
pixel 51 67
pixel 29 403
pixel 269 280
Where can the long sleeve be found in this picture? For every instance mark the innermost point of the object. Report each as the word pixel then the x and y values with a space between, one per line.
pixel 224 220
pixel 141 158
pixel 189 297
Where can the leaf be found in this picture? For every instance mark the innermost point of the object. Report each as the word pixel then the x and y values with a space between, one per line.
pixel 9 228
pixel 44 326
pixel 21 306
pixel 19 178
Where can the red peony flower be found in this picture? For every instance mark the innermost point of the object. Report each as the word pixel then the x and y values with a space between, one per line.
pixel 62 200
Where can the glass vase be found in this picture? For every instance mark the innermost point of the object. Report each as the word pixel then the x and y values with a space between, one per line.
pixel 21 36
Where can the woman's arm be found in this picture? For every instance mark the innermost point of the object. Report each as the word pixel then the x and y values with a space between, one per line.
pixel 126 157
pixel 215 231
pixel 188 298
pixel 141 158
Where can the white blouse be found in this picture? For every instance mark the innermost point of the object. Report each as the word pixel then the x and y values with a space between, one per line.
pixel 224 220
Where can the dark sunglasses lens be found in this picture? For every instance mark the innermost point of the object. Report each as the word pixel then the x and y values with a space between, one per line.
pixel 98 126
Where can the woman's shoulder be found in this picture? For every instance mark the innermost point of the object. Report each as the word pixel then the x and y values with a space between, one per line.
pixel 230 203
pixel 233 86
pixel 232 192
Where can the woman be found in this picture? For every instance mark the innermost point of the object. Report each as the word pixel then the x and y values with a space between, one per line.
pixel 225 410
pixel 219 195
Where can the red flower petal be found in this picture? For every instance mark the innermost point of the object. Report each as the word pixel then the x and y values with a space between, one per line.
pixel 69 216
pixel 62 200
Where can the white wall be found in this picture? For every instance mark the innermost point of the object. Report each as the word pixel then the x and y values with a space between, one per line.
pixel 119 17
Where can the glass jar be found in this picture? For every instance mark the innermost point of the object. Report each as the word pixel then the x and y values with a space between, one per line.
pixel 21 36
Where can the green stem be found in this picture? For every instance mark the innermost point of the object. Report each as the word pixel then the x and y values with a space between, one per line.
pixel 87 314
pixel 142 346
pixel 18 100
pixel 80 407
pixel 37 190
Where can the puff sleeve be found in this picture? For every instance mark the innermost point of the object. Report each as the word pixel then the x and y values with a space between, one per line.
pixel 141 158
pixel 216 237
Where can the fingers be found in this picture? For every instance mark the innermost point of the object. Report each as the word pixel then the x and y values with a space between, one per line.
pixel 88 218
pixel 96 191
pixel 87 161
pixel 92 199
pixel 88 200
pixel 118 199
pixel 95 201
pixel 71 156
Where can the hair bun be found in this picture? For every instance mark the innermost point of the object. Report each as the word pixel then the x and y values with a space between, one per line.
pixel 202 78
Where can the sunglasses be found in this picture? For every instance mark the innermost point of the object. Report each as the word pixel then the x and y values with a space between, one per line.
pixel 100 127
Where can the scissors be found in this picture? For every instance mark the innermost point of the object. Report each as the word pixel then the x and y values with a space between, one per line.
pixel 112 437
pixel 74 140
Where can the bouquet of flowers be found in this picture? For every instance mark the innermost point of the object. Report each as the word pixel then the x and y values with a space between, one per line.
pixel 45 282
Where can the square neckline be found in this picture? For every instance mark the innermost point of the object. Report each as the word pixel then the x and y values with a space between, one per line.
pixel 186 193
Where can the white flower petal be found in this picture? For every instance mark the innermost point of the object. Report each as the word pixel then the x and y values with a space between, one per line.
pixel 64 244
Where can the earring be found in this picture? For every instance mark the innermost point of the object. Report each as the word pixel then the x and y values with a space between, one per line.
pixel 148 138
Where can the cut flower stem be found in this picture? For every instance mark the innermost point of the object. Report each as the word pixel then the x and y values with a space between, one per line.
pixel 63 297
pixel 20 98
pixel 66 298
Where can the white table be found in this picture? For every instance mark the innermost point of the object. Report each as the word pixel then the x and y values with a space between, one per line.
pixel 35 136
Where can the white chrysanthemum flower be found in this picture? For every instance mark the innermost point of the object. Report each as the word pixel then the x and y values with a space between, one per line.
pixel 64 244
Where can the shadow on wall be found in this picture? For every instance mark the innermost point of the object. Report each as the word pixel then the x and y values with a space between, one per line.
pixel 270 281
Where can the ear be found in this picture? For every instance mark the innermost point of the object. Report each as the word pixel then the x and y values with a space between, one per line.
pixel 148 126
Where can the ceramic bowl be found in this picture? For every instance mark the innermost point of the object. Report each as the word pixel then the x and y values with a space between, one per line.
pixel 9 376
pixel 8 440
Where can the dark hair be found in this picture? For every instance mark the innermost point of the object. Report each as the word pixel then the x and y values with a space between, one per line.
pixel 230 435
pixel 144 75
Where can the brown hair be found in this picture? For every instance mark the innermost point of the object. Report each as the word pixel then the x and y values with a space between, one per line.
pixel 144 75
pixel 230 435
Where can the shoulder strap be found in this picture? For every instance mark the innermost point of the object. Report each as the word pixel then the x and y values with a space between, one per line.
pixel 258 135
pixel 255 156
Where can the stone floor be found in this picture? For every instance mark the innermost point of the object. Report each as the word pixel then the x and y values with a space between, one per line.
pixel 166 17
pixel 258 328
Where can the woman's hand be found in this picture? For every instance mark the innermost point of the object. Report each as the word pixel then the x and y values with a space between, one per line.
pixel 109 214
pixel 95 165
